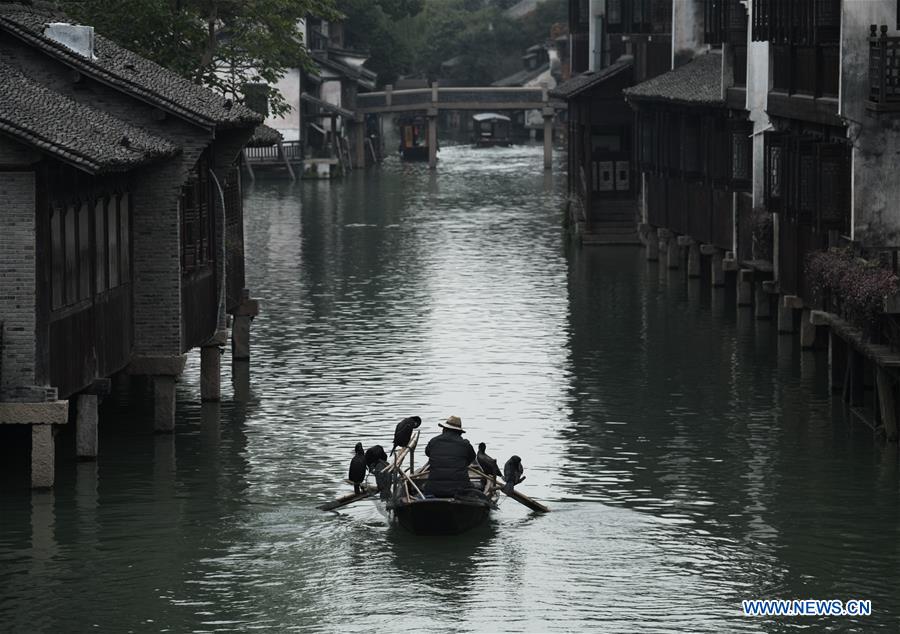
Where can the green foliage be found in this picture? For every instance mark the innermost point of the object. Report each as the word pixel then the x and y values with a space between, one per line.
pixel 223 44
pixel 489 44
pixel 372 25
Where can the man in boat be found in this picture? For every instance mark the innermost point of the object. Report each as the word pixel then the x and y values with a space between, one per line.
pixel 449 456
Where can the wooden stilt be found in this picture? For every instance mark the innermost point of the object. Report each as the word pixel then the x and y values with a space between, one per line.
pixel 887 403
pixel 248 166
pixel 286 161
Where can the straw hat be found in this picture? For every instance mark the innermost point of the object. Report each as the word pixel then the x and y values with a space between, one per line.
pixel 453 423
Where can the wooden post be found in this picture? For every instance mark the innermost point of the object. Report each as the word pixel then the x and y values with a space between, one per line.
pixel 287 161
pixel 248 166
pixel 887 403
pixel 837 361
pixel 359 142
pixel 432 140
pixel 548 142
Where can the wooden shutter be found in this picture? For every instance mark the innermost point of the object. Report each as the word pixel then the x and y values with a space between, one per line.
pixel 833 185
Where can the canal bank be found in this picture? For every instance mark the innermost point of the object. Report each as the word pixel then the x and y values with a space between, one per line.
pixel 691 456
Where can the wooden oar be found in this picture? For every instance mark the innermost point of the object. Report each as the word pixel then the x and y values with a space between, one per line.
pixel 350 498
pixel 518 496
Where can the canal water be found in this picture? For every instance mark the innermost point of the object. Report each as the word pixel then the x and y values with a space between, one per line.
pixel 691 457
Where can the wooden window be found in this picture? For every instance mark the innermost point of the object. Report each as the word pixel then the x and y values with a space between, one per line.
pixel 774 171
pixel 196 205
pixel 84 251
pixel 673 134
pixel 125 237
pixel 70 228
pixel 614 16
pixel 691 159
pixel 57 258
pixel 805 188
pixel 112 240
pixel 740 64
pixel 647 131
pixel 101 280
pixel 803 70
pixel 741 156
pixel 833 183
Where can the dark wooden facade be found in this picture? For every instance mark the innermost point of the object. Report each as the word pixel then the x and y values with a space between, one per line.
pixel 805 48
pixel 807 182
pixel 84 291
pixel 601 133
pixel 694 159
pixel 199 241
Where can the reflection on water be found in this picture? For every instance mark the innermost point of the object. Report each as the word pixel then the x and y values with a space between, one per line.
pixel 692 457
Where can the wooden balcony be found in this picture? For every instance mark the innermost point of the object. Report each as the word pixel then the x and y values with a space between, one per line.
pixel 884 71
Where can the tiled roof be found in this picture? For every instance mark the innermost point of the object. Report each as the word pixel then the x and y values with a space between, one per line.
pixel 522 77
pixel 73 132
pixel 129 72
pixel 585 81
pixel 329 107
pixel 696 83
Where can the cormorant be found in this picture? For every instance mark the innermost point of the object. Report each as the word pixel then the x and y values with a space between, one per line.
pixel 374 454
pixel 512 473
pixel 382 478
pixel 358 468
pixel 403 433
pixel 487 464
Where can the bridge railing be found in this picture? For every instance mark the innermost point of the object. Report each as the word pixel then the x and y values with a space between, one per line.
pixel 469 98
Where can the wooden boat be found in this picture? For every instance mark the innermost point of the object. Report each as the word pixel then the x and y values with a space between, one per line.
pixel 413 138
pixel 442 516
pixel 422 514
pixel 491 129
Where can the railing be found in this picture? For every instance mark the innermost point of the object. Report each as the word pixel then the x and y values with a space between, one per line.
pixel 286 150
pixel 457 98
pixel 884 71
pixel 806 22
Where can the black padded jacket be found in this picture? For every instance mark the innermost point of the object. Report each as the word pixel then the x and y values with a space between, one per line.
pixel 449 456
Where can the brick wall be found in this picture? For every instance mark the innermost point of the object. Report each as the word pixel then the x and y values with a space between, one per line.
pixel 17 280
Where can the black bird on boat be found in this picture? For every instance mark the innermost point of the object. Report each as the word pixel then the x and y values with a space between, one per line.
pixel 512 473
pixel 383 479
pixel 358 468
pixel 487 464
pixel 404 430
pixel 374 454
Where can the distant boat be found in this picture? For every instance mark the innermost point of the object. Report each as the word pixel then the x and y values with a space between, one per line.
pixel 413 138
pixel 491 129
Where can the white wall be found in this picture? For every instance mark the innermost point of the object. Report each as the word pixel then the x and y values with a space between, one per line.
pixel 875 138
pixel 597 9
pixel 289 124
pixel 687 30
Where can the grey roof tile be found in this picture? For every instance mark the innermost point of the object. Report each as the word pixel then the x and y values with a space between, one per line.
pixel 73 132
pixel 129 72
pixel 696 83
pixel 585 81
pixel 522 77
